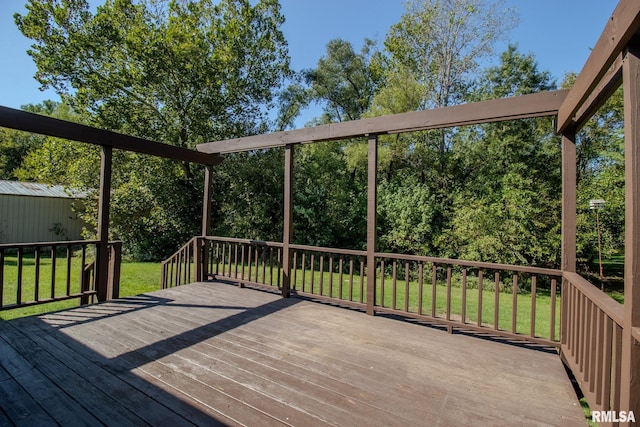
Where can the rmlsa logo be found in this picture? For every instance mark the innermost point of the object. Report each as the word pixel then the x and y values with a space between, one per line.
pixel 613 417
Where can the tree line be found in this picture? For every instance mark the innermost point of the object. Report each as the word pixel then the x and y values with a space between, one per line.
pixel 186 72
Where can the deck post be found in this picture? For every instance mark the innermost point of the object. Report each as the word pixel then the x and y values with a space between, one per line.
pixel 115 260
pixel 288 219
pixel 102 255
pixel 372 232
pixel 569 187
pixel 630 364
pixel 201 249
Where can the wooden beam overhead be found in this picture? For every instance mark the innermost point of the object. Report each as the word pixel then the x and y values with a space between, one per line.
pixel 609 83
pixel 36 123
pixel 623 24
pixel 518 107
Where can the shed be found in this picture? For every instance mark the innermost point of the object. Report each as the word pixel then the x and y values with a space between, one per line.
pixel 32 212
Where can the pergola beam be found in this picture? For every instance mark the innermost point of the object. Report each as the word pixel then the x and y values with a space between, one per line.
pixel 36 123
pixel 519 107
pixel 621 27
pixel 609 83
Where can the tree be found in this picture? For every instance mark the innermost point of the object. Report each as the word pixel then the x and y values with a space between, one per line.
pixel 440 43
pixel 507 208
pixel 15 145
pixel 168 70
pixel 344 81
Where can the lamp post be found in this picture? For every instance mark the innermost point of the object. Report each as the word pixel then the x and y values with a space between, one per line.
pixel 597 205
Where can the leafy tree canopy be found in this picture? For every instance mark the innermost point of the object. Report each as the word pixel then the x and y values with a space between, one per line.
pixel 180 72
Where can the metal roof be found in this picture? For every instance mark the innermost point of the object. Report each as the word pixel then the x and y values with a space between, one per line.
pixel 33 189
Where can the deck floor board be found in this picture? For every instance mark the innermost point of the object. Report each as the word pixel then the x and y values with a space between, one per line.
pixel 216 354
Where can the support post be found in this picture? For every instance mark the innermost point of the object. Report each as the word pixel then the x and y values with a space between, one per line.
pixel 201 249
pixel 372 232
pixel 102 256
pixel 115 260
pixel 630 364
pixel 569 186
pixel 288 219
pixel 569 189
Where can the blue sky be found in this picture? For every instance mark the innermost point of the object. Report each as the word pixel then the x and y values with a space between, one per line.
pixel 559 44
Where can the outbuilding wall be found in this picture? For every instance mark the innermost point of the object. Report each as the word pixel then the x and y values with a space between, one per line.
pixel 38 219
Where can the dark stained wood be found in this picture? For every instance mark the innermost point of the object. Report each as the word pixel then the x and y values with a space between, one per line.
pixel 630 390
pixel 206 205
pixel 115 260
pixel 36 123
pixel 621 27
pixel 568 236
pixel 609 83
pixel 532 105
pixel 287 230
pixel 214 354
pixel 589 348
pixel 372 232
pixel 465 263
pixel 104 201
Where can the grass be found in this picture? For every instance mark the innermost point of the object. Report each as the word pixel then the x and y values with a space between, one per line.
pixel 329 285
pixel 135 278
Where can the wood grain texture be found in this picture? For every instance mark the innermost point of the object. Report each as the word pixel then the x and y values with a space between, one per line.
pixel 36 123
pixel 518 107
pixel 623 24
pixel 216 354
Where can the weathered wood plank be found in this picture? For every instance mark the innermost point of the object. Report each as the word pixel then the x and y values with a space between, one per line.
pixel 69 355
pixel 518 107
pixel 86 395
pixel 217 354
pixel 36 123
pixel 63 409
pixel 630 364
pixel 20 408
pixel 344 366
pixel 157 361
pixel 209 359
pixel 623 24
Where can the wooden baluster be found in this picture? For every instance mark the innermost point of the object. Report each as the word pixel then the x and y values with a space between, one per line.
pixel 514 305
pixel 19 278
pixel 340 276
pixel 552 321
pixel 434 280
pixel 53 271
pixel 480 277
pixel 381 284
pixel 496 302
pixel 406 287
pixel 420 286
pixel 36 288
pixel 464 296
pixel 68 270
pixel 393 285
pixel 321 279
pixel 534 280
pixel 448 313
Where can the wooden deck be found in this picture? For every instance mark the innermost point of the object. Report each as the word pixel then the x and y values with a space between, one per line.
pixel 215 354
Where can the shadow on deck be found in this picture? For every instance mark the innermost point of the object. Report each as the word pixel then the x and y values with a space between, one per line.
pixel 215 354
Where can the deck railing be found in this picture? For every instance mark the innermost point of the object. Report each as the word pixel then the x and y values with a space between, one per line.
pixel 592 341
pixel 41 273
pixel 507 300
pixel 177 269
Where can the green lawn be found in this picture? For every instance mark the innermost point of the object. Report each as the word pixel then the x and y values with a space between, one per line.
pixel 331 285
pixel 136 278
